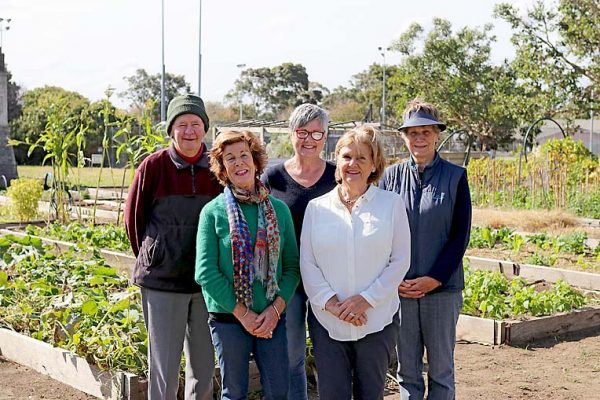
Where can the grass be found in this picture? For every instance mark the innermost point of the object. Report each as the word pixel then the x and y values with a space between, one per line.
pixel 88 176
pixel 552 221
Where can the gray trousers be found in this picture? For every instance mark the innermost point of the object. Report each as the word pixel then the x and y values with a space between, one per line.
pixel 176 322
pixel 428 323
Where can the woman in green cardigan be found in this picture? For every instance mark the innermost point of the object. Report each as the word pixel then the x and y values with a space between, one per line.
pixel 247 265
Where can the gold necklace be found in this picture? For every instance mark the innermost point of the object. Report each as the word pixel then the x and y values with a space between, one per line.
pixel 348 200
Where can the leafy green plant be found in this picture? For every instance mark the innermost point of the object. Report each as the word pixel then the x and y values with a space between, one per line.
pixel 541 240
pixel 62 141
pixel 25 195
pixel 572 243
pixel 136 147
pixel 490 294
pixel 101 236
pixel 80 305
pixel 561 173
pixel 488 237
pixel 541 259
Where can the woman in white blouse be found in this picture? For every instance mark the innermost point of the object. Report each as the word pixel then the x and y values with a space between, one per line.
pixel 354 252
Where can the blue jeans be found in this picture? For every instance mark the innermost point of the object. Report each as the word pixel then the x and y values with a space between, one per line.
pixel 352 369
pixel 234 345
pixel 428 323
pixel 296 337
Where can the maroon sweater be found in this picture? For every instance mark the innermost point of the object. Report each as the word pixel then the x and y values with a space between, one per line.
pixel 161 218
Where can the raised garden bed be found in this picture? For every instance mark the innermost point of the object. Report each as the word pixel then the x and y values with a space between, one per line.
pixel 70 369
pixel 515 333
pixel 572 250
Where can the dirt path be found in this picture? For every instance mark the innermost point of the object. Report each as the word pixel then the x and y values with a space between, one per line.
pixel 20 383
pixel 565 369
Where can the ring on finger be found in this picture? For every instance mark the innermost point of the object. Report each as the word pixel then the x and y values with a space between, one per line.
pixel 352 315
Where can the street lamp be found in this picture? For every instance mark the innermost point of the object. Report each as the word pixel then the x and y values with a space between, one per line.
pixel 163 106
pixel 382 113
pixel 592 124
pixel 240 66
pixel 200 52
pixel 4 28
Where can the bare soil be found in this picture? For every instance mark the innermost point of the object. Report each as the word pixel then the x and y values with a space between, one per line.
pixel 20 383
pixel 564 368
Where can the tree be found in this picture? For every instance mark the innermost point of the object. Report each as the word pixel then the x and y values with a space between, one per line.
pixel 14 99
pixel 343 105
pixel 69 106
pixel 218 112
pixel 272 90
pixel 556 48
pixel 454 71
pixel 144 87
pixel 363 95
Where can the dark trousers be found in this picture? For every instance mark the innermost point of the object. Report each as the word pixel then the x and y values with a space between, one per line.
pixel 352 368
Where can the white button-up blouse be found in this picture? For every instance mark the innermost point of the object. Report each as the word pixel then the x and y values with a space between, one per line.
pixel 364 252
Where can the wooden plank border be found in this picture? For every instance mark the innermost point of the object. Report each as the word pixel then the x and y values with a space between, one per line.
pixel 521 332
pixel 70 369
pixel 479 330
pixel 580 279
pixel 514 333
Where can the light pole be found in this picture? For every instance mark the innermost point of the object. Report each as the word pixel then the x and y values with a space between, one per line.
pixel 200 52
pixel 382 113
pixel 592 124
pixel 240 66
pixel 4 28
pixel 163 106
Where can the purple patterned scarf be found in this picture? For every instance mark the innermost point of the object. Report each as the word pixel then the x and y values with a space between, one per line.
pixel 262 261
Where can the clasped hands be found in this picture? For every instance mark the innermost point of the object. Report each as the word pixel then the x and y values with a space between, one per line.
pixel 352 310
pixel 418 287
pixel 260 325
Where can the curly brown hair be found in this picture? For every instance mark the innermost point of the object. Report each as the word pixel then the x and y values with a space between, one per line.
pixel 370 136
pixel 259 154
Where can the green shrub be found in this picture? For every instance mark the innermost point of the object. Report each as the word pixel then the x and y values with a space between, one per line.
pixel 25 195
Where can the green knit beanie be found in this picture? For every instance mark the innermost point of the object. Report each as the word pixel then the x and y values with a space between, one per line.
pixel 186 104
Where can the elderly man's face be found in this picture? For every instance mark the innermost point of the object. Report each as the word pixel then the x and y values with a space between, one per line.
pixel 421 142
pixel 188 133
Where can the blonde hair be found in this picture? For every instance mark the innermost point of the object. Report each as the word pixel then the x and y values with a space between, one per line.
pixel 259 154
pixel 369 136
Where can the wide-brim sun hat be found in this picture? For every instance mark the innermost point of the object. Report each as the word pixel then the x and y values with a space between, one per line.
pixel 421 117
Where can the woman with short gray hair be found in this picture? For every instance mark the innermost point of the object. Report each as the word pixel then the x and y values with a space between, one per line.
pixel 297 181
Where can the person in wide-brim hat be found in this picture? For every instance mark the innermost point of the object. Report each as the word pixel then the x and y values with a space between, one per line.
pixel 438 204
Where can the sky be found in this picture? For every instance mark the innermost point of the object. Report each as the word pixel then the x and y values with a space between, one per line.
pixel 89 45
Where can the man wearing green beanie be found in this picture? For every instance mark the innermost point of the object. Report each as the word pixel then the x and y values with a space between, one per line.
pixel 168 192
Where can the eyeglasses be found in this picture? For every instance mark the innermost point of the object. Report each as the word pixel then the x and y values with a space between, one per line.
pixel 316 135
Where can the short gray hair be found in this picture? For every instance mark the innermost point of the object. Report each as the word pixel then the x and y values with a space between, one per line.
pixel 305 113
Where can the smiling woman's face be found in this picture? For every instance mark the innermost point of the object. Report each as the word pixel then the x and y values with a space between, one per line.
pixel 355 164
pixel 239 165
pixel 309 147
pixel 421 142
